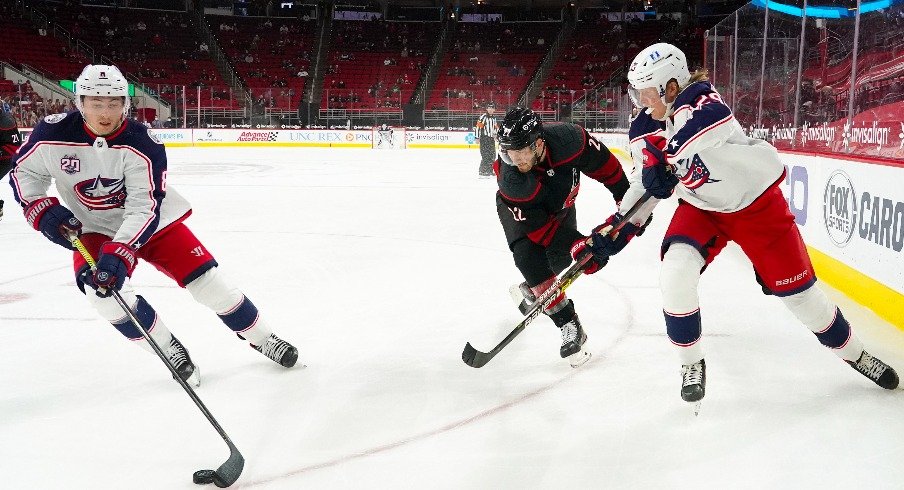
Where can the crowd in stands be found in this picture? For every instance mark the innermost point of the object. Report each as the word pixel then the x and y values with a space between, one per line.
pixel 27 107
pixel 272 56
pixel 370 63
pixel 375 64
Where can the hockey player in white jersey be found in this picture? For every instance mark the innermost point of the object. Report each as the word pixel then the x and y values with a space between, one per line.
pixel 110 173
pixel 687 142
pixel 385 137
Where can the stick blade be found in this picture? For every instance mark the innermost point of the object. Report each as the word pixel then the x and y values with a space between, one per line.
pixel 473 357
pixel 229 472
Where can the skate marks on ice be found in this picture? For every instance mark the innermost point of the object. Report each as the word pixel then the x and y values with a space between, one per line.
pixel 7 298
pixel 527 355
pixel 206 169
pixel 496 410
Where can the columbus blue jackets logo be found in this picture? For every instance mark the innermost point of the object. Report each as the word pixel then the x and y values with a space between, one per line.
pixel 100 193
pixel 696 175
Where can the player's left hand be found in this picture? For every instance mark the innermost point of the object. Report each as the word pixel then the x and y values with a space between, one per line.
pixel 115 262
pixel 658 177
pixel 604 245
pixel 579 250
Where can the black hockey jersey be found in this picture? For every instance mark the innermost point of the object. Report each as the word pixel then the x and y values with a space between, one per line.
pixel 10 139
pixel 540 198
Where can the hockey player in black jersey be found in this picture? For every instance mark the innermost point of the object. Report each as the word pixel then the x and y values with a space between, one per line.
pixel 10 139
pixel 538 171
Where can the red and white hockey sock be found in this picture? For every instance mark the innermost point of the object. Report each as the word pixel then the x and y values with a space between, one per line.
pixel 557 302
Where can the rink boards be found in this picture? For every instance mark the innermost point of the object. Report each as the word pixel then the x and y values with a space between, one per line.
pixel 849 209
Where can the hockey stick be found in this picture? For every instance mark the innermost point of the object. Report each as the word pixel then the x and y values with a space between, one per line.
pixel 228 472
pixel 477 359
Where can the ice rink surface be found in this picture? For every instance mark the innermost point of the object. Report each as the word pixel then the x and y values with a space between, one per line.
pixel 379 266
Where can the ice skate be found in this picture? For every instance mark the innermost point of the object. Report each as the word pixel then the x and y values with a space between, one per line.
pixel 880 373
pixel 181 362
pixel 522 297
pixel 693 383
pixel 1 209
pixel 573 338
pixel 278 350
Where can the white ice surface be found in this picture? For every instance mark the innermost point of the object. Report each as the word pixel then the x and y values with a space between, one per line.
pixel 379 266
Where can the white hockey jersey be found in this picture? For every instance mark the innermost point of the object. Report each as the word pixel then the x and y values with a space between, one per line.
pixel 719 168
pixel 116 185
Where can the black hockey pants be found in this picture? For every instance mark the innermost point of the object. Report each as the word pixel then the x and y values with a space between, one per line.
pixel 487 155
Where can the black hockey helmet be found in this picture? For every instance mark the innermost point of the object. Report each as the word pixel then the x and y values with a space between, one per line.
pixel 520 128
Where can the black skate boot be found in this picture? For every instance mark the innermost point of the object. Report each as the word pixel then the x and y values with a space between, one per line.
pixel 880 373
pixel 522 296
pixel 693 381
pixel 573 336
pixel 278 350
pixel 181 362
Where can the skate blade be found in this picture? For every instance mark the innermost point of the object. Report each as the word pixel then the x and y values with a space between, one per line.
pixel 697 406
pixel 578 359
pixel 195 378
pixel 515 294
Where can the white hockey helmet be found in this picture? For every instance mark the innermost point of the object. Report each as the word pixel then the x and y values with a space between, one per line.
pixel 654 67
pixel 102 81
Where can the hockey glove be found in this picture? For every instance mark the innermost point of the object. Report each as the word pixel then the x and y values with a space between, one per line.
pixel 115 262
pixel 657 176
pixel 52 219
pixel 579 250
pixel 604 245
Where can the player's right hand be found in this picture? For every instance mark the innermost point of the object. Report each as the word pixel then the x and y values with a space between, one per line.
pixel 115 262
pixel 579 250
pixel 54 220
